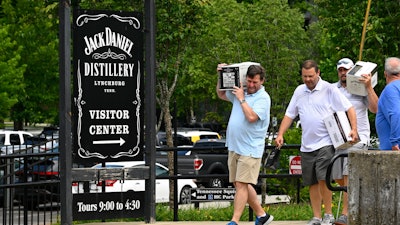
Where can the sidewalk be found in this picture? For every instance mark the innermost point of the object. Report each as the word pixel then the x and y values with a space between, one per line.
pixel 200 223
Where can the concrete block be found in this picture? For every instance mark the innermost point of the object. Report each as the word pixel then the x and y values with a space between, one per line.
pixel 374 187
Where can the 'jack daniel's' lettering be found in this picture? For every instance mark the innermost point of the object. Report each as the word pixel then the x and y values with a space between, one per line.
pixel 108 38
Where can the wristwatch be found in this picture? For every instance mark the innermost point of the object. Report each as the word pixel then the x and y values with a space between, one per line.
pixel 242 101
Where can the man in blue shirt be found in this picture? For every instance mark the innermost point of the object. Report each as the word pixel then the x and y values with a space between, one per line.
pixel 387 121
pixel 245 139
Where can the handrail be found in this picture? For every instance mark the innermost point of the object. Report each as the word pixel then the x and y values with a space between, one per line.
pixel 329 173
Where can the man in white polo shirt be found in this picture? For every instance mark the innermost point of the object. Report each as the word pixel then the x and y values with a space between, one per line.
pixel 340 170
pixel 312 102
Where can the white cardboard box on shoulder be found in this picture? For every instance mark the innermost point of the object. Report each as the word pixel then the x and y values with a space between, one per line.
pixel 231 75
pixel 354 86
pixel 338 126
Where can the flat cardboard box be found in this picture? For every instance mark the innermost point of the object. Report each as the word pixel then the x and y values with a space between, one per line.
pixel 231 75
pixel 338 126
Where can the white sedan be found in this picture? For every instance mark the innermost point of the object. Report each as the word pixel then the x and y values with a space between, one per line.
pixel 162 185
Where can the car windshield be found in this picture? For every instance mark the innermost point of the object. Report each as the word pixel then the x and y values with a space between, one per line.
pixel 161 171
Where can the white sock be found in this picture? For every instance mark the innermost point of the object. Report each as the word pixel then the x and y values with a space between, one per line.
pixel 262 215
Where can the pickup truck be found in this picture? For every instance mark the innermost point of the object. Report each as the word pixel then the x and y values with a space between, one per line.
pixel 205 157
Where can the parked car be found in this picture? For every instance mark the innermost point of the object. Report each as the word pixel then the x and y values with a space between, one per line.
pixel 186 138
pixel 162 185
pixel 180 139
pixel 34 144
pixel 12 137
pixel 50 132
pixel 196 135
pixel 45 171
pixel 205 157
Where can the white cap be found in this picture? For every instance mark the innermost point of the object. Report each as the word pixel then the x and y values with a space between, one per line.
pixel 345 63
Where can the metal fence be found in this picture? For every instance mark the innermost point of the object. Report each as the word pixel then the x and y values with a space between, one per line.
pixel 29 182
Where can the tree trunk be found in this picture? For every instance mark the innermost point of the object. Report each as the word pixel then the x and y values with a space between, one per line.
pixel 168 133
pixel 18 125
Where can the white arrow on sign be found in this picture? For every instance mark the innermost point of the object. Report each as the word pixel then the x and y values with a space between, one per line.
pixel 120 142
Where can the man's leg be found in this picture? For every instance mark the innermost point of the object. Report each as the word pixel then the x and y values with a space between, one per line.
pixel 240 201
pixel 326 196
pixel 316 200
pixel 253 201
pixel 345 195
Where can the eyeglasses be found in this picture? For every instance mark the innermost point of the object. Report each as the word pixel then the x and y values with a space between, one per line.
pixel 343 61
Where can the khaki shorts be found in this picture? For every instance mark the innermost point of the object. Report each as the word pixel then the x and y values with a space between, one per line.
pixel 243 169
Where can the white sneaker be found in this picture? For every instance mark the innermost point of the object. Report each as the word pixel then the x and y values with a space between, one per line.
pixel 314 221
pixel 328 219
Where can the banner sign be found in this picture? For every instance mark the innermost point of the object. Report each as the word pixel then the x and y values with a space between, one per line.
pixel 108 205
pixel 108 86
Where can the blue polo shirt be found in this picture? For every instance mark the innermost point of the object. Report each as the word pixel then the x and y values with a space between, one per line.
pixel 243 137
pixel 387 120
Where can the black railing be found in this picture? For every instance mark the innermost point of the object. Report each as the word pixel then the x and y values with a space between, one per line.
pixel 175 177
pixel 328 178
pixel 22 186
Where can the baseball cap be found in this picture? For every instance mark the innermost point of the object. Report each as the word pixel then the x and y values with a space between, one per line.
pixel 345 63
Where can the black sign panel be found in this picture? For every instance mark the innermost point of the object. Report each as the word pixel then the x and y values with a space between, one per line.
pixel 108 205
pixel 212 194
pixel 108 86
pixel 229 77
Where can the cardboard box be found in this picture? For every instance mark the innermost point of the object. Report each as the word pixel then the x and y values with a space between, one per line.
pixel 338 126
pixel 356 87
pixel 232 75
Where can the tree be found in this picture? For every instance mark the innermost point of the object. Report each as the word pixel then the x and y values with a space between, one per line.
pixel 341 24
pixel 11 73
pixel 33 26
pixel 177 22
pixel 269 32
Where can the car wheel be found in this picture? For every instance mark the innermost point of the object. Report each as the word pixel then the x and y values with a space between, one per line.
pixel 185 195
pixel 216 183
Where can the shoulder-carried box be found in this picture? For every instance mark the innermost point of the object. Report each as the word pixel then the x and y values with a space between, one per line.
pixel 338 126
pixel 231 75
pixel 354 86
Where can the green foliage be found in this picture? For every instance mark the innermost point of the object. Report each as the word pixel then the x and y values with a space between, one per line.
pixel 123 5
pixel 340 28
pixel 11 72
pixel 292 136
pixel 272 35
pixel 32 25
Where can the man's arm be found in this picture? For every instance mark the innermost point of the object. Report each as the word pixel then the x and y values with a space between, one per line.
pixel 372 97
pixel 248 112
pixel 285 124
pixel 221 93
pixel 351 113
